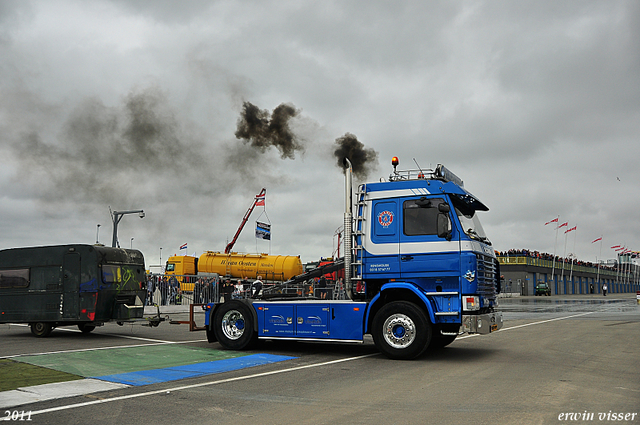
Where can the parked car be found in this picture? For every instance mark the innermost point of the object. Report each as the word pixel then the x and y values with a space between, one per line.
pixel 543 289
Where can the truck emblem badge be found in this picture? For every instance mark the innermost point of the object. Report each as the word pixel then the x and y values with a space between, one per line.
pixel 385 218
pixel 470 276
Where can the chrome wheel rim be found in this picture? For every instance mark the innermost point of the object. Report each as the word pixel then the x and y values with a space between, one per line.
pixel 399 331
pixel 233 324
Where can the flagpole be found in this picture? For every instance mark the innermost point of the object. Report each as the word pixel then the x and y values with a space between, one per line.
pixel 598 276
pixel 553 266
pixel 564 255
pixel 574 254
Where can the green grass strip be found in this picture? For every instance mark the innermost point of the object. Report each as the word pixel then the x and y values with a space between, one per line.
pixel 14 375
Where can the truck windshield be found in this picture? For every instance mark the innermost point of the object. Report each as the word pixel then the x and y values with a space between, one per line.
pixel 473 227
pixel 470 221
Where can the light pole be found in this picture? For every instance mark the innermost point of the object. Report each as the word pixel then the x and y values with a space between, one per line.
pixel 117 216
pixel 97 233
pixel 131 246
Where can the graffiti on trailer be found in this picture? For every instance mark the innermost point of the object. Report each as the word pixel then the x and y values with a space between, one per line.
pixel 123 277
pixel 128 279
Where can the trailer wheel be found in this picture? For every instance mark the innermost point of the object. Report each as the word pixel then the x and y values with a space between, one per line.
pixel 233 326
pixel 401 330
pixel 85 328
pixel 41 329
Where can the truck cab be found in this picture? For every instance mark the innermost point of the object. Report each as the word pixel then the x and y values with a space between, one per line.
pixel 418 237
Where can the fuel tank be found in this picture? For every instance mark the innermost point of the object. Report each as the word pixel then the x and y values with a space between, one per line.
pixel 237 265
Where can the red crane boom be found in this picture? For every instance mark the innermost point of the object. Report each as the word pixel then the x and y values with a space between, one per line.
pixel 259 196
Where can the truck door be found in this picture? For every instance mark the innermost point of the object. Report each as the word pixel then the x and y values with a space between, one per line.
pixel 70 285
pixel 423 254
pixel 382 248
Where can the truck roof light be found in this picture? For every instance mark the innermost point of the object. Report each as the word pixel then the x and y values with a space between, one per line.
pixel 444 174
pixel 395 161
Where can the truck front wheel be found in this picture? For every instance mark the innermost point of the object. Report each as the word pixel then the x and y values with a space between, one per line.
pixel 233 326
pixel 401 330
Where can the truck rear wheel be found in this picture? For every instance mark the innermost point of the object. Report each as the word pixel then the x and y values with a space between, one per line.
pixel 401 330
pixel 41 329
pixel 233 325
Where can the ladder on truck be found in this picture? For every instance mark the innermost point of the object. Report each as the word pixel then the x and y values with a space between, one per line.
pixel 358 234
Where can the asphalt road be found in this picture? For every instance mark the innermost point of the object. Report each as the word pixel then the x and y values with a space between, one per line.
pixel 554 357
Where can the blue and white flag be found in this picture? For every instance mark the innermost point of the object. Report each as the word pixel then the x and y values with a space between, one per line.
pixel 183 246
pixel 263 231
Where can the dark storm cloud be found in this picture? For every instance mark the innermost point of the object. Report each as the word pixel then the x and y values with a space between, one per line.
pixel 541 96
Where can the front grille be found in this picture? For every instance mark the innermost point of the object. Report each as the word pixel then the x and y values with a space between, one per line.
pixel 487 277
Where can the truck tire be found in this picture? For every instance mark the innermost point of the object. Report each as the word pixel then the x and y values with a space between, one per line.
pixel 401 331
pixel 85 328
pixel 211 336
pixel 233 325
pixel 41 329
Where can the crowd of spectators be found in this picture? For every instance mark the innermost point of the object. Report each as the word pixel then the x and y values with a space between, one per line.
pixel 546 256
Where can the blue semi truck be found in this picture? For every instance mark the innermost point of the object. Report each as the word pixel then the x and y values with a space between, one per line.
pixel 419 271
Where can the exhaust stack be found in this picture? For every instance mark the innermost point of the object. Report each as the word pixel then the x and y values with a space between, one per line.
pixel 348 228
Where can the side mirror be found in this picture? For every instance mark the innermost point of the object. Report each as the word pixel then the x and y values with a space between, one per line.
pixel 443 207
pixel 444 226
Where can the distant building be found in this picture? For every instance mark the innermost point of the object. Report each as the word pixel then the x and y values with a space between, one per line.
pixel 522 272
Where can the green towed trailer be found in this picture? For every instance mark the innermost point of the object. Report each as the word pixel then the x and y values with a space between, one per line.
pixel 82 285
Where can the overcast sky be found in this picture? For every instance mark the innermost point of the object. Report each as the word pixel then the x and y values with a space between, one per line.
pixel 135 105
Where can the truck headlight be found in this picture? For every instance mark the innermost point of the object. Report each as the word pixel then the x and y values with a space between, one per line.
pixel 470 302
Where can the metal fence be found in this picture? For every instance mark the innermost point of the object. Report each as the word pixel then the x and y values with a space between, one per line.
pixel 163 289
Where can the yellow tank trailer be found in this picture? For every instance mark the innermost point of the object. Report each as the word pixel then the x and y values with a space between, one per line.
pixel 270 267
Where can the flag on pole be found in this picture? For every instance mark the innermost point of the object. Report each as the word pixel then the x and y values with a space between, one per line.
pixel 555 220
pixel 573 228
pixel 563 224
pixel 260 200
pixel 183 246
pixel 615 246
pixel 599 239
pixel 263 231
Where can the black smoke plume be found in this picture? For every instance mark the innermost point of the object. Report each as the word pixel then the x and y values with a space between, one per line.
pixel 109 154
pixel 363 160
pixel 263 130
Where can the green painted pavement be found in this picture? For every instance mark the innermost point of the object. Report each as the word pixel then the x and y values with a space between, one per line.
pixel 122 360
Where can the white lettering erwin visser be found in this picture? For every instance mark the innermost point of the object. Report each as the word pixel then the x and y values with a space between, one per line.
pixel 590 416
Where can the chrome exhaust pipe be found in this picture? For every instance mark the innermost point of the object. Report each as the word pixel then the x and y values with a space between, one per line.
pixel 348 228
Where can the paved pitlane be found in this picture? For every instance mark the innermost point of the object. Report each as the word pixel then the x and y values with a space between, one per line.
pixel 541 365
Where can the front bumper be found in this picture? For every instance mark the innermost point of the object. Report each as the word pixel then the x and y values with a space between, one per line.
pixel 482 323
